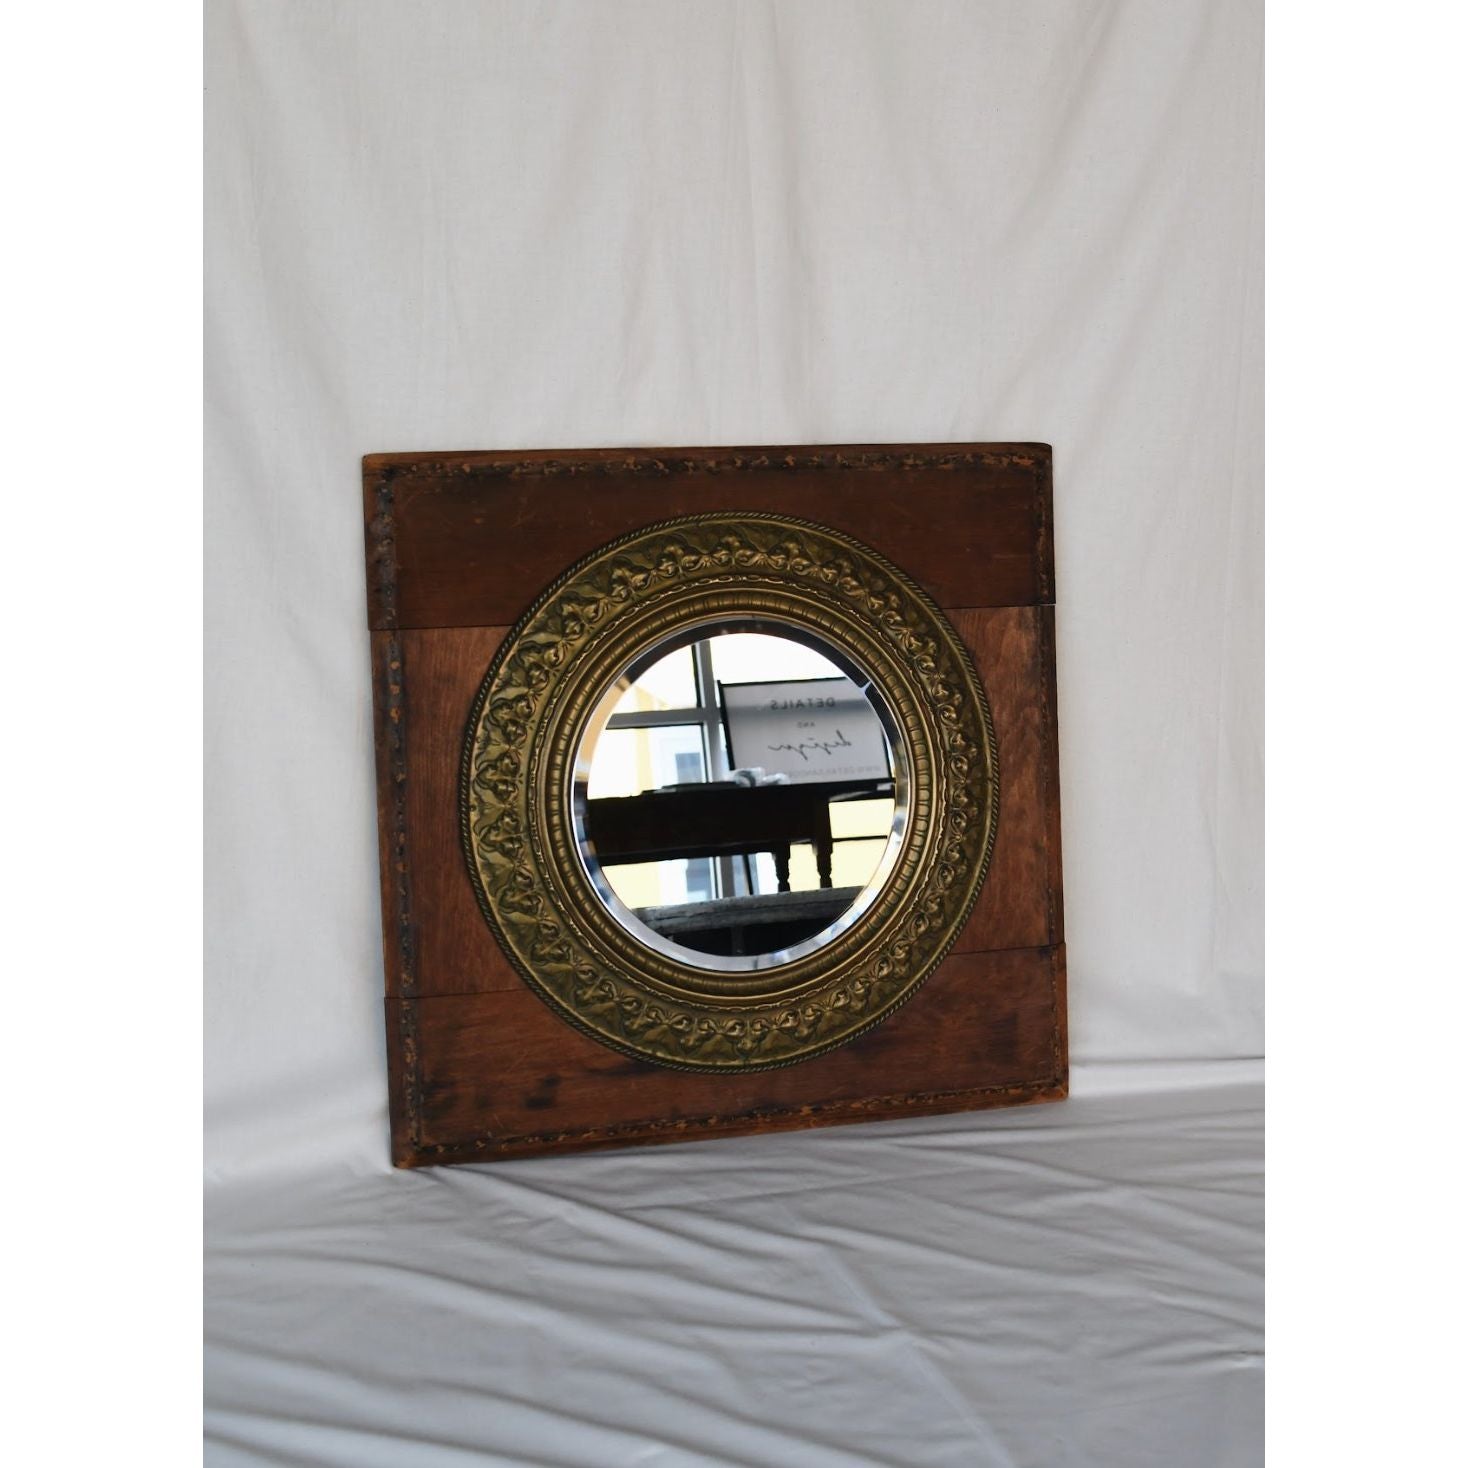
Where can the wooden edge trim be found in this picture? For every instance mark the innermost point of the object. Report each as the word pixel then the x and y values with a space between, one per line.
pixel 381 542
pixel 1044 531
pixel 1059 997
pixel 1050 769
pixel 712 459
pixel 390 740
pixel 699 1128
pixel 404 1088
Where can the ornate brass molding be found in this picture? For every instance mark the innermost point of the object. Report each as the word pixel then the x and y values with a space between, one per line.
pixel 515 790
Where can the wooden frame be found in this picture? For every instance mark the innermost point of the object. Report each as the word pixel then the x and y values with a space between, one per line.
pixel 459 546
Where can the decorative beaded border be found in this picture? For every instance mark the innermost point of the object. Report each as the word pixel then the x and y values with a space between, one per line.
pixel 516 830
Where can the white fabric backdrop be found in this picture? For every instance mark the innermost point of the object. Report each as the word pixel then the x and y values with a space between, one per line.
pixel 461 224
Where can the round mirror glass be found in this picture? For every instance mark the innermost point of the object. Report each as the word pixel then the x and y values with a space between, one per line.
pixel 740 795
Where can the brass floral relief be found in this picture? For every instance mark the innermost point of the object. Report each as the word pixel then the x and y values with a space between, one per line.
pixel 517 781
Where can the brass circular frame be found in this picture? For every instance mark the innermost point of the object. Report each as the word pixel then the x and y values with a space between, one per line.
pixel 517 770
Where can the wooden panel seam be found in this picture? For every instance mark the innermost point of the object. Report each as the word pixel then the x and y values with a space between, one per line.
pixel 507 627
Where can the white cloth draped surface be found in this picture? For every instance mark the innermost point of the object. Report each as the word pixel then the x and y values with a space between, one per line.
pixel 462 224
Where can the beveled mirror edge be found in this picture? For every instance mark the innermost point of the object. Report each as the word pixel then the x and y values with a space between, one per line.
pixel 892 843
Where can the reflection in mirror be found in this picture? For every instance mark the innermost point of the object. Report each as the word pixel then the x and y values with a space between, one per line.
pixel 740 795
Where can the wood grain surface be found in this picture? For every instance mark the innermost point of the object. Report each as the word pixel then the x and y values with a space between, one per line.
pixel 500 1074
pixel 969 523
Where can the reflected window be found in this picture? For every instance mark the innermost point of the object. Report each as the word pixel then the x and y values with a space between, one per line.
pixel 670 728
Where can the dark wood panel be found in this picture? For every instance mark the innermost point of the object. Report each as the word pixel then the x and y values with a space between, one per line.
pixel 499 1074
pixel 451 946
pixel 456 951
pixel 1018 903
pixel 471 539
